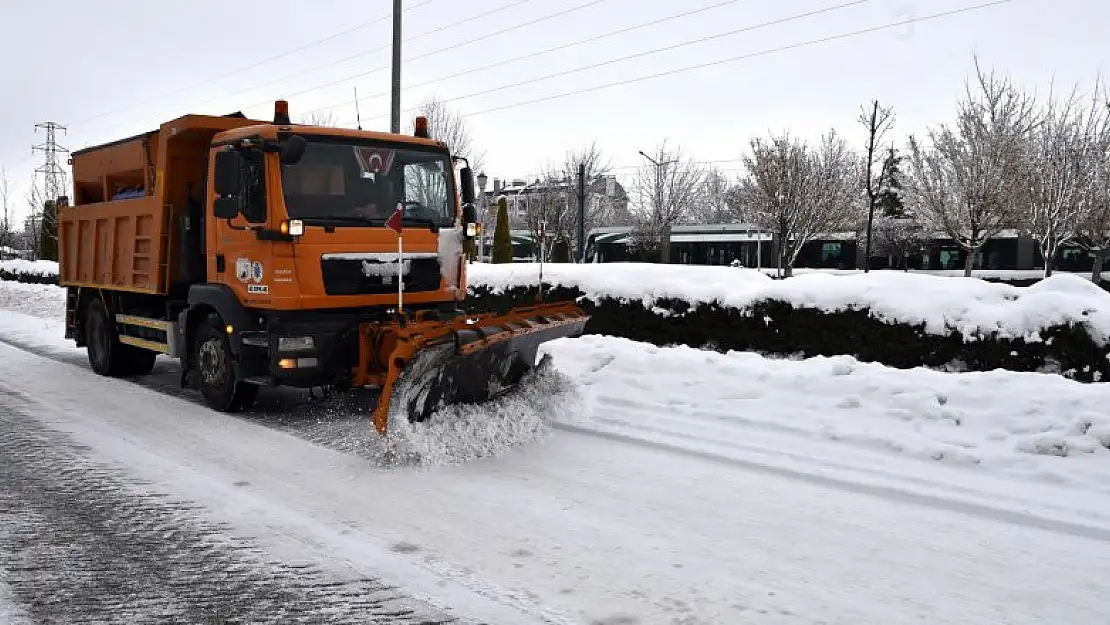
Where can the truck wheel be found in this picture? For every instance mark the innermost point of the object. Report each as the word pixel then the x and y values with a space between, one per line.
pixel 139 361
pixel 103 344
pixel 215 370
pixel 107 355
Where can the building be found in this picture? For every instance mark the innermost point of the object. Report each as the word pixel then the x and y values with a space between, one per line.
pixel 607 202
pixel 746 245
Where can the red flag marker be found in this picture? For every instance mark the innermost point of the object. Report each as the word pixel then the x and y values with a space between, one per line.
pixel 394 221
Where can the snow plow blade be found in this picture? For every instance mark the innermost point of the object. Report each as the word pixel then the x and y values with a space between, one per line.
pixel 433 364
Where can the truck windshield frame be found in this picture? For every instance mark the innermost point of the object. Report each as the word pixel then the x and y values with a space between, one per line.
pixel 355 182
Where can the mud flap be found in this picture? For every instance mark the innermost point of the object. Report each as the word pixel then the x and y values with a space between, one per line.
pixel 464 368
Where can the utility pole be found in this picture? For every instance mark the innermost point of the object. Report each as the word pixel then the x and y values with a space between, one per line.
pixel 395 116
pixel 582 212
pixel 870 190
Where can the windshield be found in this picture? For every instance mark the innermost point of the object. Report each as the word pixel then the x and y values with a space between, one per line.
pixel 347 181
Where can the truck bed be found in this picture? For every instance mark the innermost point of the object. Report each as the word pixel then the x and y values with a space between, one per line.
pixel 119 232
pixel 120 245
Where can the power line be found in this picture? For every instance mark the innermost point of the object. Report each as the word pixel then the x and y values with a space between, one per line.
pixel 368 52
pixel 448 48
pixel 288 76
pixel 255 64
pixel 690 42
pixel 530 55
pixel 709 162
pixel 740 57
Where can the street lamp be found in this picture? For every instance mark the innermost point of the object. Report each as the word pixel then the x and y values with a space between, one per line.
pixel 485 213
pixel 517 200
pixel 665 255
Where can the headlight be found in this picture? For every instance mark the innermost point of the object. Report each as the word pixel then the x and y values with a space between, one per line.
pixel 295 343
pixel 471 230
pixel 296 227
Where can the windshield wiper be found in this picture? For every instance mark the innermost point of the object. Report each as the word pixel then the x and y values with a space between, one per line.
pixel 350 219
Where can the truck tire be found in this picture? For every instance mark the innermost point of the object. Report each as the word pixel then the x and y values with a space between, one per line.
pixel 215 372
pixel 107 355
pixel 102 341
pixel 139 361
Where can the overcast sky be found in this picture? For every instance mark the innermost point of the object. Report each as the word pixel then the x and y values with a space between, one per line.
pixel 118 67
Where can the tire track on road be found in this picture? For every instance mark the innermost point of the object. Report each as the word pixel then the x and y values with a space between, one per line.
pixel 889 493
pixel 341 422
pixel 81 542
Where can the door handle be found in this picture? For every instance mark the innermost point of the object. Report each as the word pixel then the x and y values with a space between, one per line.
pixel 221 264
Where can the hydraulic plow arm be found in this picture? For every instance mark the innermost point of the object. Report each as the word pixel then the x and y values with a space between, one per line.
pixel 424 365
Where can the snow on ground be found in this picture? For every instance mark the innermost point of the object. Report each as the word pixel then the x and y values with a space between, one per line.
pixel 585 528
pixel 996 274
pixel 39 300
pixel 10 612
pixel 33 267
pixel 1014 441
pixel 676 486
pixel 34 314
pixel 1025 426
pixel 967 305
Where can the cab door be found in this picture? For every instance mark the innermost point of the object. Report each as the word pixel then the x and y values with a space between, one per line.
pixel 237 255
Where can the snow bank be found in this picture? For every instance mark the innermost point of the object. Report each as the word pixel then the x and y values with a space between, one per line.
pixel 1025 425
pixel 34 267
pixel 44 301
pixel 969 306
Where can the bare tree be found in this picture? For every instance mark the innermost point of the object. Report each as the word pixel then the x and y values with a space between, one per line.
pixel 665 190
pixel 1059 161
pixel 319 117
pixel 33 227
pixel 877 163
pixel 898 238
pixel 797 192
pixel 716 205
pixel 548 214
pixel 1094 230
pixel 449 127
pixel 596 168
pixel 7 234
pixel 966 185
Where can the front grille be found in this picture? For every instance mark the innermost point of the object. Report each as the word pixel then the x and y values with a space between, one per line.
pixel 348 277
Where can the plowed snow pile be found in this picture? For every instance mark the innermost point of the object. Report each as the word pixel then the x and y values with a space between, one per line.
pixel 463 432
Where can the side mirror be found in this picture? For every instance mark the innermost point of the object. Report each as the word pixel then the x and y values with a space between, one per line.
pixel 466 179
pixel 292 150
pixel 470 221
pixel 225 177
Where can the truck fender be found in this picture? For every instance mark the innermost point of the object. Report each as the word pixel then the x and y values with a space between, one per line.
pixel 204 299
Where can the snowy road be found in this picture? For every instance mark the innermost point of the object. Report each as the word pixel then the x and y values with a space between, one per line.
pixel 84 542
pixel 596 523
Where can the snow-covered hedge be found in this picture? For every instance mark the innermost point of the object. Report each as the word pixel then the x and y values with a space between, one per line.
pixel 28 271
pixel 902 320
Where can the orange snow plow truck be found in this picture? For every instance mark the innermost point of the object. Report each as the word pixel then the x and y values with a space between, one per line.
pixel 270 253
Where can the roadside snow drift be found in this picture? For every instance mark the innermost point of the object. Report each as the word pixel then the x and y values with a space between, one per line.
pixel 39 271
pixel 968 306
pixel 1034 427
